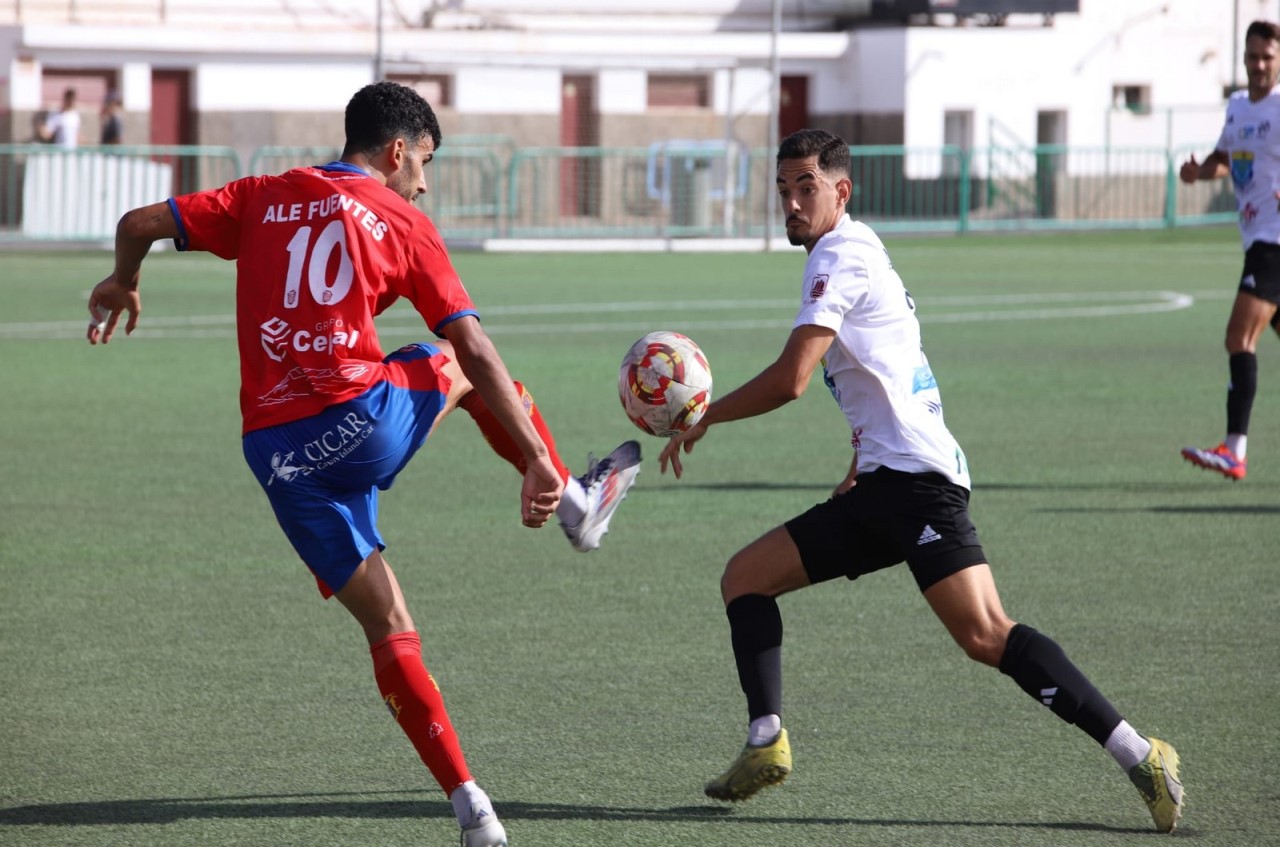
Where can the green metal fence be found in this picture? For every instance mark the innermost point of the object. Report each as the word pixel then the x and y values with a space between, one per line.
pixel 484 187
pixel 50 194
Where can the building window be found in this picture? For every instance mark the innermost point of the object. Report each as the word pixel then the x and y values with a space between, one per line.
pixel 679 91
pixel 1132 98
pixel 436 89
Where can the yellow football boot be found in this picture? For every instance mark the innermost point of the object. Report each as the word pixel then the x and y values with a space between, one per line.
pixel 1157 780
pixel 755 768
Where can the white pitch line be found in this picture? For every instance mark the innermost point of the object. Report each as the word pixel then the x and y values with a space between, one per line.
pixel 407 323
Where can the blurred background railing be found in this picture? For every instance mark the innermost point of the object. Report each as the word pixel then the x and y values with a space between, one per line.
pixel 483 187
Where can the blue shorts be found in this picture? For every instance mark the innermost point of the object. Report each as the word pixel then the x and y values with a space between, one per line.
pixel 322 474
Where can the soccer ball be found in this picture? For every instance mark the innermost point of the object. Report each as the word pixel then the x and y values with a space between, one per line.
pixel 664 383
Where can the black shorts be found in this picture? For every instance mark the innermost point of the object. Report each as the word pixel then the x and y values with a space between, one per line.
pixel 887 518
pixel 1261 275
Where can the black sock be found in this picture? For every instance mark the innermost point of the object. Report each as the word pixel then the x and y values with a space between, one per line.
pixel 755 627
pixel 1244 385
pixel 1038 665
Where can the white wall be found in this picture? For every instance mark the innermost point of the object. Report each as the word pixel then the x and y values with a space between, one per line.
pixel 871 78
pixel 532 91
pixel 622 92
pixel 750 91
pixel 1005 76
pixel 135 87
pixel 279 87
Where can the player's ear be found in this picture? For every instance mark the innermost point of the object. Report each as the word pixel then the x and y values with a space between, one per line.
pixel 844 190
pixel 397 151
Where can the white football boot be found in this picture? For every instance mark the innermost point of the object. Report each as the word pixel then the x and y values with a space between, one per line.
pixel 486 832
pixel 606 483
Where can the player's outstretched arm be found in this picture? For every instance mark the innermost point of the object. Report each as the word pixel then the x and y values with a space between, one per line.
pixel 137 230
pixel 1215 165
pixel 480 362
pixel 780 383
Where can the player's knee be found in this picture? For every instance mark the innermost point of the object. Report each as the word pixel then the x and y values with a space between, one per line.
pixel 740 578
pixel 731 586
pixel 984 644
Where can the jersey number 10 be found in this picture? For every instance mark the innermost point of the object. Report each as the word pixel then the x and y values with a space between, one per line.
pixel 332 237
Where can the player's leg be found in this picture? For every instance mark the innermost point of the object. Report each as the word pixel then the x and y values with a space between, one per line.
pixel 841 537
pixel 969 607
pixel 589 501
pixel 1250 317
pixel 411 694
pixel 328 510
pixel 1254 308
pixel 754 577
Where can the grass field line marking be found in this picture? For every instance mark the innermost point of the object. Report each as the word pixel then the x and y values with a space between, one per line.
pixel 1116 303
pixel 1169 301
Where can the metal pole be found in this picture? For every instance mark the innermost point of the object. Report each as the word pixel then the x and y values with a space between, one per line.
pixel 377 57
pixel 775 96
pixel 1235 44
pixel 730 157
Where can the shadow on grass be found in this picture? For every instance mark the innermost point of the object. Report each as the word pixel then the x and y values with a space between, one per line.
pixel 1215 509
pixel 744 485
pixel 362 805
pixel 980 487
pixel 1208 487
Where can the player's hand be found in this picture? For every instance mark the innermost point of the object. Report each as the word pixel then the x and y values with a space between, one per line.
pixel 845 484
pixel 671 453
pixel 540 493
pixel 108 300
pixel 1190 170
pixel 851 478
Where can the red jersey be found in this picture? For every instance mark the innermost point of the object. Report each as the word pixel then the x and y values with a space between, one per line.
pixel 319 252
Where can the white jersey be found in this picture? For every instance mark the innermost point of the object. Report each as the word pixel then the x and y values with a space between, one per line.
pixel 1255 163
pixel 876 368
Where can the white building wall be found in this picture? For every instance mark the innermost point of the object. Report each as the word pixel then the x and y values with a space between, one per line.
pixel 870 78
pixel 530 91
pixel 1006 76
pixel 135 87
pixel 623 92
pixel 742 91
pixel 277 87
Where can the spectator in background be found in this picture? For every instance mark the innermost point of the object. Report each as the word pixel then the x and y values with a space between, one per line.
pixel 62 127
pixel 112 120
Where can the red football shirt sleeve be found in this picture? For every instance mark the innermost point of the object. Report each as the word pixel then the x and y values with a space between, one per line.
pixel 211 220
pixel 431 283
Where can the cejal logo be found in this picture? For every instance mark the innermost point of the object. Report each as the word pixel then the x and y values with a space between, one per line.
pixel 278 337
pixel 275 337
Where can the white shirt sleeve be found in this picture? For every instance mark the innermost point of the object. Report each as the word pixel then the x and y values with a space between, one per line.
pixel 835 281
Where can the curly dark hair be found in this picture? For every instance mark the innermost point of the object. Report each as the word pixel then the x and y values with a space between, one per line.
pixel 384 111
pixel 832 150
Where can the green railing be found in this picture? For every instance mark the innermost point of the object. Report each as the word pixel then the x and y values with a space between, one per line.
pixel 464 183
pixel 674 190
pixel 482 187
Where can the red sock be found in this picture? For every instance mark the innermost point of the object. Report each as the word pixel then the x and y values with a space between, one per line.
pixel 413 697
pixel 497 437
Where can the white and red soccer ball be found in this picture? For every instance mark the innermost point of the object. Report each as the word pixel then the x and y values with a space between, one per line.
pixel 664 383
